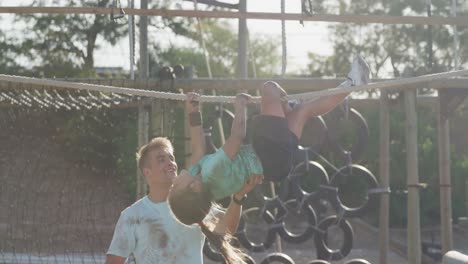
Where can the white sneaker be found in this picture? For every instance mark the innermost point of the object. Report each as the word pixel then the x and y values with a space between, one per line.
pixel 359 73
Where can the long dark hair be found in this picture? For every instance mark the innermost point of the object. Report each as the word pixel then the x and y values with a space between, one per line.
pixel 190 207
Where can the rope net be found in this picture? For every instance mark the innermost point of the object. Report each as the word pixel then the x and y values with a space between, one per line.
pixel 61 193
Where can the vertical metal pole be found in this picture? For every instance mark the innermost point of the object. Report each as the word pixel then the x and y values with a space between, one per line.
pixel 384 167
pixel 413 226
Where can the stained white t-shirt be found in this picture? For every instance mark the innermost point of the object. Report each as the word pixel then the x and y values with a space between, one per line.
pixel 150 231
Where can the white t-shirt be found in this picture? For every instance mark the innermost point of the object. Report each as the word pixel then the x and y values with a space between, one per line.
pixel 150 231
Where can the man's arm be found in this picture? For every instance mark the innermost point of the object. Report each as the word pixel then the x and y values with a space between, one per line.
pixel 230 220
pixel 197 137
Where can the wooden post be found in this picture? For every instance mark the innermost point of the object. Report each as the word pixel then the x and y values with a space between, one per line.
pixel 144 64
pixel 444 178
pixel 143 114
pixel 466 198
pixel 157 118
pixel 413 226
pixel 188 145
pixel 242 67
pixel 384 167
pixel 143 128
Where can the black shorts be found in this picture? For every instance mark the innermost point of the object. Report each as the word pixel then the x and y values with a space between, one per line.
pixel 274 145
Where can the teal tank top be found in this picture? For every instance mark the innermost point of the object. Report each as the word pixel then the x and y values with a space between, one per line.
pixel 224 176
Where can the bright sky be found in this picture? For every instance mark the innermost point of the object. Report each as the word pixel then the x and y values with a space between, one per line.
pixel 312 36
pixel 300 39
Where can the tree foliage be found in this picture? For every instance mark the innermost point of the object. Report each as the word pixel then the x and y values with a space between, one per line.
pixel 63 45
pixel 221 45
pixel 392 50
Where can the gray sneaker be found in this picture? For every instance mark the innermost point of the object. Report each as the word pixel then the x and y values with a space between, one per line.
pixel 359 73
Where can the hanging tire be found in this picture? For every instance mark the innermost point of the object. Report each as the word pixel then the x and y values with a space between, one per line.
pixel 277 258
pixel 274 208
pixel 362 133
pixel 314 136
pixel 357 261
pixel 297 238
pixel 226 117
pixel 210 253
pixel 245 241
pixel 310 170
pixel 249 260
pixel 209 144
pixel 318 261
pixel 320 238
pixel 339 181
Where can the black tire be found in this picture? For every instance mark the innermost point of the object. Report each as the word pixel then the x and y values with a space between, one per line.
pixel 314 137
pixel 277 258
pixel 295 238
pixel 339 181
pixel 244 239
pixel 357 261
pixel 179 70
pixel 326 253
pixel 318 261
pixel 227 118
pixel 359 122
pixel 211 253
pixel 249 260
pixel 315 170
pixel 274 208
pixel 209 144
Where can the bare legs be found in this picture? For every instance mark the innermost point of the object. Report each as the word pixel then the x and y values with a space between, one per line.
pixel 274 101
pixel 274 104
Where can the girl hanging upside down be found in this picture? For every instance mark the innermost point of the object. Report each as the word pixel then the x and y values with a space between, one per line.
pixel 275 136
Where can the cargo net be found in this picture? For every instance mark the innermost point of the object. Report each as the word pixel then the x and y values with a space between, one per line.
pixel 62 156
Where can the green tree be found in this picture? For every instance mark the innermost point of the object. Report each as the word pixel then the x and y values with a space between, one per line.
pixel 63 45
pixel 221 44
pixel 392 50
pixel 8 63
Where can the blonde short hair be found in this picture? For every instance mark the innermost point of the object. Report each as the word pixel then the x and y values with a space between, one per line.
pixel 155 143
